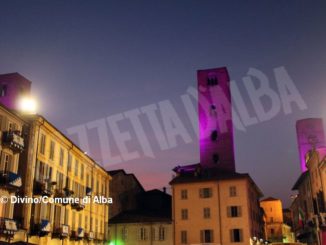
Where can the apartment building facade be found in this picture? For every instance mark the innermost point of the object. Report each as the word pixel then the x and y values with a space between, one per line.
pixel 276 229
pixel 55 167
pixel 11 146
pixel 149 224
pixel 216 209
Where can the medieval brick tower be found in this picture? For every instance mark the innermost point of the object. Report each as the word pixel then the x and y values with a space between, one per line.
pixel 215 119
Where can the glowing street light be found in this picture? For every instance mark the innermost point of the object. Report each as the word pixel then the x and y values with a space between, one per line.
pixel 27 105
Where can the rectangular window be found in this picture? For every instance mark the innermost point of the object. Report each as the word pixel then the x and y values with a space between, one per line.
pixel 3 90
pixel 205 192
pixel 87 180
pixel 184 194
pixel 236 235
pixel 234 211
pixel 124 234
pixel 86 223
pixel 233 191
pixel 82 171
pixel 52 148
pixel 6 162
pixel 69 162
pixel 76 167
pixel 184 237
pixel 61 157
pixel 161 233
pixel 206 236
pixel 143 234
pixel 207 213
pixel 42 144
pixel 66 216
pixel 184 214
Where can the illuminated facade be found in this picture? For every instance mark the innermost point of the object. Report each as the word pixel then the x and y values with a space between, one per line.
pixel 276 229
pixel 11 146
pixel 53 166
pixel 215 119
pixel 310 133
pixel 212 208
pixel 149 224
pixel 212 204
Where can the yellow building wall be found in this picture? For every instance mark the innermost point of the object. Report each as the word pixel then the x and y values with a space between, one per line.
pixel 274 218
pixel 133 234
pixel 98 212
pixel 219 222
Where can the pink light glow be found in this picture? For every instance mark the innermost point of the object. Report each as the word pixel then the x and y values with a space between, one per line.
pixel 214 112
pixel 310 132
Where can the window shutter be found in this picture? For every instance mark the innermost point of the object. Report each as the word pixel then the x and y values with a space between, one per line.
pixel 231 235
pixel 202 236
pixel 2 163
pixel 239 211
pixel 241 235
pixel 4 123
pixel 229 211
pixel 201 193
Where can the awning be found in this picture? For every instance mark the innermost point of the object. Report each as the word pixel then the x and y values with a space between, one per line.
pixel 45 225
pixel 14 179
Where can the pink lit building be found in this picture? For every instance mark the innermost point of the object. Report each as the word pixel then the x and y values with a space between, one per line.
pixel 12 87
pixel 310 133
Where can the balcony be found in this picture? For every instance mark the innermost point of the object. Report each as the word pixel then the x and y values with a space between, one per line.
pixel 78 206
pixel 43 188
pixel 88 191
pixel 77 235
pixel 42 228
pixel 8 227
pixel 61 232
pixel 99 236
pixel 89 236
pixel 10 180
pixel 68 192
pixel 13 140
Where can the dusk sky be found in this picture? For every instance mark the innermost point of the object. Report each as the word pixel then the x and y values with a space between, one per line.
pixel 89 60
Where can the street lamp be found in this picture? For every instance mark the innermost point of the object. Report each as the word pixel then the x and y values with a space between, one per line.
pixel 27 105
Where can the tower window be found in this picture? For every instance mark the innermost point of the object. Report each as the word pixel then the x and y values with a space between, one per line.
pixel 216 158
pixel 212 81
pixel 3 90
pixel 214 135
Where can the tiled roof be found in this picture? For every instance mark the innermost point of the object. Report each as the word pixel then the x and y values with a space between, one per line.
pixel 140 216
pixel 300 180
pixel 269 199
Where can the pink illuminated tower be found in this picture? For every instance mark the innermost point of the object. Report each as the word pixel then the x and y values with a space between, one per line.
pixel 310 133
pixel 215 119
pixel 12 87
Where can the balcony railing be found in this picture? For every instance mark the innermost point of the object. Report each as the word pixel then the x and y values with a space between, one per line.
pixel 99 236
pixel 88 191
pixel 43 188
pixel 78 206
pixel 8 227
pixel 77 234
pixel 42 228
pixel 89 235
pixel 61 231
pixel 10 180
pixel 13 140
